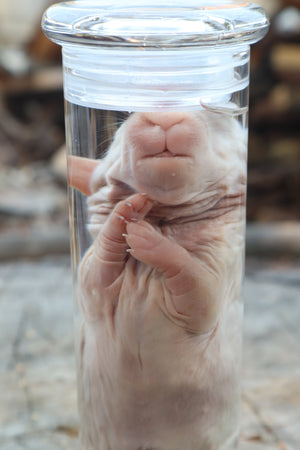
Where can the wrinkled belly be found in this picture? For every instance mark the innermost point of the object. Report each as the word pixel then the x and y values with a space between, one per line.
pixel 153 386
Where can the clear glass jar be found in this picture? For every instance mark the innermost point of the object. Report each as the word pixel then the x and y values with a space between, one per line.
pixel 156 128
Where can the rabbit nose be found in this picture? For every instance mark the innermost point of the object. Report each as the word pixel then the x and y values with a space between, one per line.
pixel 165 120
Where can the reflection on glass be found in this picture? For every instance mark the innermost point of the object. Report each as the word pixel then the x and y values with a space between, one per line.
pixel 158 217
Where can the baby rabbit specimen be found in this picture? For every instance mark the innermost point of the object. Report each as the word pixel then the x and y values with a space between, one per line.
pixel 160 286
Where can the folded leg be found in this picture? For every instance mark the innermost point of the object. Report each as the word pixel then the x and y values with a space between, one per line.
pixel 192 288
pixel 105 260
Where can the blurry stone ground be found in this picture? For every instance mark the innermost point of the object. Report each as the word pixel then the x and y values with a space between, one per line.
pixel 37 366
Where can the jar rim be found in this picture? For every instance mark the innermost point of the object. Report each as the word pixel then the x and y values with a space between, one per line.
pixel 151 24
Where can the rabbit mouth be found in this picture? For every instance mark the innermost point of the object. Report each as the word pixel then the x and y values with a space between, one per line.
pixel 166 154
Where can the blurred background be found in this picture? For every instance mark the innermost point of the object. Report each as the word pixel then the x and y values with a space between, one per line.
pixel 37 367
pixel 33 205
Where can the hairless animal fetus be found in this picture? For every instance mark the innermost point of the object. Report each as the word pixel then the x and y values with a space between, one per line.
pixel 160 285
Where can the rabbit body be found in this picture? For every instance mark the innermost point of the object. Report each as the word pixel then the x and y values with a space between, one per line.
pixel 160 286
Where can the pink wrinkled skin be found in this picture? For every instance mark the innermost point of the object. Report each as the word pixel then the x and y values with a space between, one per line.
pixel 160 286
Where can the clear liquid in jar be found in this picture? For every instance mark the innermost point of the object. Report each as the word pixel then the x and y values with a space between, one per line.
pixel 158 251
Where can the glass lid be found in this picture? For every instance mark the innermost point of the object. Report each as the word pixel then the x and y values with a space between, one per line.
pixel 155 23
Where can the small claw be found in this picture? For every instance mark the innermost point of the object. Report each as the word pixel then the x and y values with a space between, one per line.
pixel 122 218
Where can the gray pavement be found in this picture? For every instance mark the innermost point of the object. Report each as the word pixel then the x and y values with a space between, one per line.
pixel 38 408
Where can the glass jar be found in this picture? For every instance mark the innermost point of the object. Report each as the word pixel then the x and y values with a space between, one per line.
pixel 156 104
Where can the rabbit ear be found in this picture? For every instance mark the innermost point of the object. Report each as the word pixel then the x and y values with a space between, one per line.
pixel 80 172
